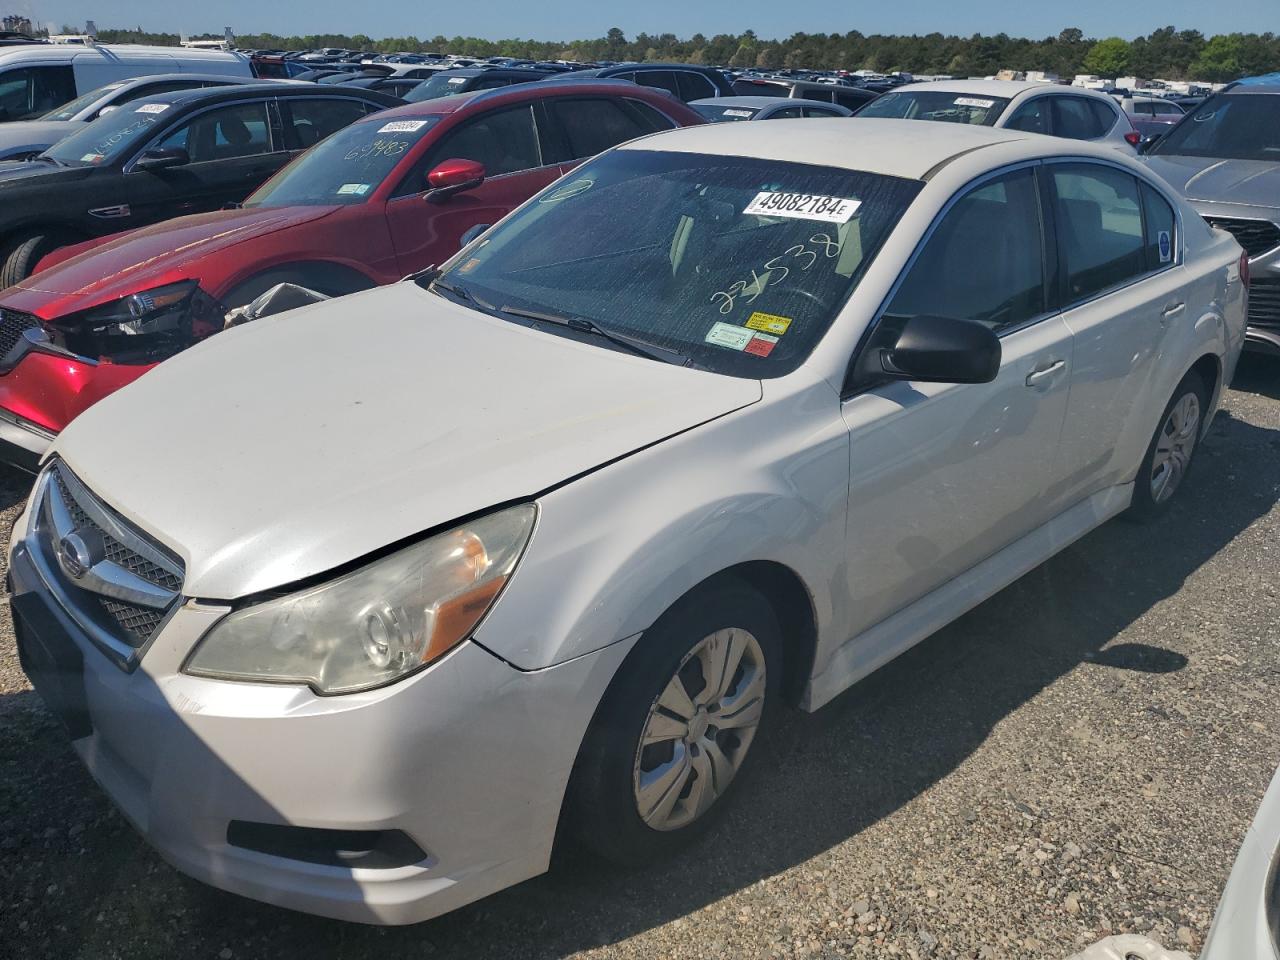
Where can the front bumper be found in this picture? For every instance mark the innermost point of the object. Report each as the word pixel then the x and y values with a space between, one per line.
pixel 1262 340
pixel 22 443
pixel 469 759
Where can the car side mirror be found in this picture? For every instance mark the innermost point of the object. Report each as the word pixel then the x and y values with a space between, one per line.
pixel 472 233
pixel 162 159
pixel 942 350
pixel 453 176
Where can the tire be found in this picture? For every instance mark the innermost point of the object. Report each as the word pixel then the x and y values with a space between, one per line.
pixel 23 255
pixel 1171 451
pixel 614 775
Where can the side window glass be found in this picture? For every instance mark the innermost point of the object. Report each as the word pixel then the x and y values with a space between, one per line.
pixel 662 79
pixel 505 141
pixel 1073 119
pixel 819 112
pixel 984 262
pixel 226 133
pixel 490 84
pixel 1104 118
pixel 33 91
pixel 624 76
pixel 850 101
pixel 1032 116
pixel 310 121
pixel 649 119
pixel 592 126
pixel 786 113
pixel 1160 229
pixel 693 86
pixel 1100 231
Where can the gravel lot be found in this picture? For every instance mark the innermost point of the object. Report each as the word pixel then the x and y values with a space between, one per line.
pixel 1078 756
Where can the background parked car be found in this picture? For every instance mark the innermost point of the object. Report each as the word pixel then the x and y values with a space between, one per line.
pixel 26 138
pixel 729 109
pixel 382 198
pixel 851 98
pixel 1225 158
pixel 683 80
pixel 1071 112
pixel 37 78
pixel 445 83
pixel 392 86
pixel 174 153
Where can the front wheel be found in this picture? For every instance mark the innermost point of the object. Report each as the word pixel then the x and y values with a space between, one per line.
pixel 675 729
pixel 1169 455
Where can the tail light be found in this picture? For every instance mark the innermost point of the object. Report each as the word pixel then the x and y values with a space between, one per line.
pixel 1244 270
pixel 1133 137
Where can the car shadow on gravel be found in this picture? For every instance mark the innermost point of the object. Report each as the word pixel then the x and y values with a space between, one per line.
pixel 820 779
pixel 1258 373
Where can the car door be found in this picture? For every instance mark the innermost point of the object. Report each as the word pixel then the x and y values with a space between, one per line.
pixel 1122 290
pixel 232 149
pixel 517 164
pixel 943 476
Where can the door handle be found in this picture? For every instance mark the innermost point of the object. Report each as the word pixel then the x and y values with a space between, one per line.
pixel 1037 377
pixel 1172 310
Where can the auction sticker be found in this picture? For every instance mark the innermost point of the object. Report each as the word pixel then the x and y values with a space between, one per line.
pixel 1166 246
pixel 356 189
pixel 803 206
pixel 974 102
pixel 769 323
pixel 761 345
pixel 91 158
pixel 152 108
pixel 729 335
pixel 738 113
pixel 402 126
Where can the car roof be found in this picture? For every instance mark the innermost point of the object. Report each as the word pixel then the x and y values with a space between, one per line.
pixel 274 87
pixel 127 52
pixel 543 88
pixel 759 103
pixel 492 72
pixel 896 148
pixel 1267 85
pixel 1007 89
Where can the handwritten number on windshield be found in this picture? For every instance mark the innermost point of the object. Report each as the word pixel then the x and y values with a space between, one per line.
pixel 802 258
pixel 379 148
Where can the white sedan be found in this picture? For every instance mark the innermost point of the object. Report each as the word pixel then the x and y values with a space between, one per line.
pixel 348 609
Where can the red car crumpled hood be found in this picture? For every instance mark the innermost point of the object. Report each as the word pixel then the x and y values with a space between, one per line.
pixel 146 258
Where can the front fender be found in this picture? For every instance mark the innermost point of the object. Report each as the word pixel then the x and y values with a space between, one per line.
pixel 614 549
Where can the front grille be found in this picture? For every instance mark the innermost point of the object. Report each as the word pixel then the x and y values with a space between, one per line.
pixel 1264 301
pixel 1256 236
pixel 111 578
pixel 12 326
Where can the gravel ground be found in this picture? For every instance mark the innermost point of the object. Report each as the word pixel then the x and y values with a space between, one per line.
pixel 1079 756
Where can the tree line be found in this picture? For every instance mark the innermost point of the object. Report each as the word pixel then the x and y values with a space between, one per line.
pixel 1167 53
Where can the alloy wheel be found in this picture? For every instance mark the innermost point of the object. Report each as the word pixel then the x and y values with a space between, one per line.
pixel 1176 443
pixel 699 729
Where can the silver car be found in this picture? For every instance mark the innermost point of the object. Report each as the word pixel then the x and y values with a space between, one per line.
pixel 734 109
pixel 1225 159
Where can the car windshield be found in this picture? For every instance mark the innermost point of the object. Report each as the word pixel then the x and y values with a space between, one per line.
pixel 1233 126
pixel 441 85
pixel 937 105
pixel 110 137
pixel 68 110
pixel 345 168
pixel 739 264
pixel 725 114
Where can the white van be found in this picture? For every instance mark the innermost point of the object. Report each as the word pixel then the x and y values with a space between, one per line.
pixel 36 78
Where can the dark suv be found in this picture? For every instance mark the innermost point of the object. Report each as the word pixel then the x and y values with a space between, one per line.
pixel 854 98
pixel 162 156
pixel 684 80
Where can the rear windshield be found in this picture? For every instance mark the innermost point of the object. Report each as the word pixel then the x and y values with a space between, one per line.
pixel 68 110
pixel 740 264
pixel 724 114
pixel 345 168
pixel 936 105
pixel 110 137
pixel 441 85
pixel 1234 126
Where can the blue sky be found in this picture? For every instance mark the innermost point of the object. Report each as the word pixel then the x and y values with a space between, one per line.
pixel 573 19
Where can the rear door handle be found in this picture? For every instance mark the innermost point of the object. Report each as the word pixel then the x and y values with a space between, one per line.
pixel 1172 310
pixel 1045 374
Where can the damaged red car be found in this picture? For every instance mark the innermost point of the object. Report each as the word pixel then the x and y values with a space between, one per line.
pixel 380 199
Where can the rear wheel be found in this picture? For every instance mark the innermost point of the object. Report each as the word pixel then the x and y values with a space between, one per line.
pixel 1169 455
pixel 675 730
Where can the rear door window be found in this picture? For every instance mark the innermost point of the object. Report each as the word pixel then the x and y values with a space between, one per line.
pixel 850 100
pixel 1100 228
pixel 1074 119
pixel 30 92
pixel 694 86
pixel 786 113
pixel 308 121
pixel 1104 117
pixel 819 112
pixel 591 126
pixel 662 79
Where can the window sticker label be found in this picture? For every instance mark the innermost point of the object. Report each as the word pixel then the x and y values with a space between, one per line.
pixel 803 206
pixel 91 158
pixel 974 102
pixel 1166 246
pixel 761 345
pixel 402 126
pixel 354 189
pixel 738 113
pixel 152 108
pixel 769 323
pixel 457 80
pixel 729 335
pixel 567 191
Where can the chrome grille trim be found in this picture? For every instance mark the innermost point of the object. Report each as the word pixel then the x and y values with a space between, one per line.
pixel 126 593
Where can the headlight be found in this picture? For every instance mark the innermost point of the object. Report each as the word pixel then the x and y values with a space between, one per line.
pixel 378 624
pixel 152 311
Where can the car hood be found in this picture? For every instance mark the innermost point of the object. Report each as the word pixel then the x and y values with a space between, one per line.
pixel 23 173
pixel 290 446
pixel 1254 183
pixel 141 259
pixel 35 134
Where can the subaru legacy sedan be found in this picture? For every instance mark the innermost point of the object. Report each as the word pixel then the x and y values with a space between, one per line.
pixel 533 546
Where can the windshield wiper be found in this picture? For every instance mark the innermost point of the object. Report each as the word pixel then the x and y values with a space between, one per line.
pixel 583 325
